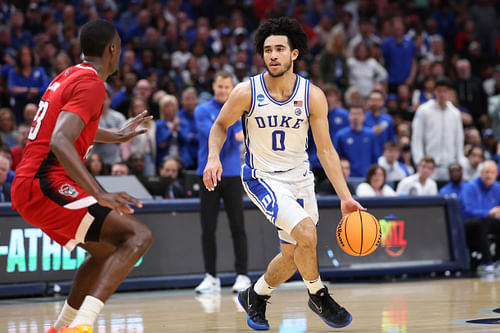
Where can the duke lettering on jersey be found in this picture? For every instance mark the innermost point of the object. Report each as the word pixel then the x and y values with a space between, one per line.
pixel 276 131
pixel 272 121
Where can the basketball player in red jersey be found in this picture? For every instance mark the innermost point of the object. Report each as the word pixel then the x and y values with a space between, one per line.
pixel 54 191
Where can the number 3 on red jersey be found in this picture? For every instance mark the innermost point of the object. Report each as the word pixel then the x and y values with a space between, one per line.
pixel 37 120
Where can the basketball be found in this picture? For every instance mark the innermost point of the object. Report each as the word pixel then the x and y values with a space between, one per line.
pixel 359 233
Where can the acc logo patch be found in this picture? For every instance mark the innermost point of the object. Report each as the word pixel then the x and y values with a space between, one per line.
pixel 298 112
pixel 68 190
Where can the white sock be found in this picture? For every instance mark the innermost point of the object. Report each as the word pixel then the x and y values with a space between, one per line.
pixel 314 285
pixel 88 312
pixel 65 317
pixel 262 288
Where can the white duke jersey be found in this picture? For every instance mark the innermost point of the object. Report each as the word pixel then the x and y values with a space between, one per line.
pixel 276 132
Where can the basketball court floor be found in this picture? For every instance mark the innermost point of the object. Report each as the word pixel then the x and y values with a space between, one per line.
pixel 431 305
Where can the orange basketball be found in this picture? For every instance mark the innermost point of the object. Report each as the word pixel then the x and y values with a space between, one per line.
pixel 359 233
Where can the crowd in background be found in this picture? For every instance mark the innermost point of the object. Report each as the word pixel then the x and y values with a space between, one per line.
pixel 413 86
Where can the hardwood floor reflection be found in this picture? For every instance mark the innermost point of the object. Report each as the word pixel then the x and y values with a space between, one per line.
pixel 422 306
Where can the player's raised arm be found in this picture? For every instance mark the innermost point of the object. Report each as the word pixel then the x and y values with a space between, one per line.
pixel 127 132
pixel 237 103
pixel 326 152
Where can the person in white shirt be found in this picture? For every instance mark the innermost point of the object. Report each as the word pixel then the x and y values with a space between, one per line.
pixel 421 182
pixel 364 71
pixel 375 185
pixel 473 163
pixel 389 161
pixel 437 131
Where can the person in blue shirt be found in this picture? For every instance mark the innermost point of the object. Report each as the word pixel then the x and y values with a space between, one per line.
pixel 380 122
pixel 399 56
pixel 480 201
pixel 189 153
pixel 27 82
pixel 230 189
pixel 357 143
pixel 4 185
pixel 456 184
pixel 338 118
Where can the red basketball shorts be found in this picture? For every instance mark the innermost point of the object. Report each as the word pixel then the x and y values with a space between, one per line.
pixel 58 206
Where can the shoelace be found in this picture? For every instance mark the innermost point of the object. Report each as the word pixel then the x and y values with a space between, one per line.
pixel 260 306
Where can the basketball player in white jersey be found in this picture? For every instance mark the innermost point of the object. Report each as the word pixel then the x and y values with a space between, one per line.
pixel 278 107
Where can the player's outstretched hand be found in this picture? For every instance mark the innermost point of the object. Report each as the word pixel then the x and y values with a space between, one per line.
pixel 130 128
pixel 118 202
pixel 212 173
pixel 350 205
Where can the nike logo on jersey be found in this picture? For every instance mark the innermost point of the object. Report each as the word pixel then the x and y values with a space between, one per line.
pixel 262 104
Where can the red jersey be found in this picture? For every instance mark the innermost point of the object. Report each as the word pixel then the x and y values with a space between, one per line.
pixel 77 89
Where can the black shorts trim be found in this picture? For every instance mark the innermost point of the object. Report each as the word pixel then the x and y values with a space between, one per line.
pixel 99 213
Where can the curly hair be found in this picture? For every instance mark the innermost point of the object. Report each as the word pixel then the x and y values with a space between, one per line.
pixel 282 26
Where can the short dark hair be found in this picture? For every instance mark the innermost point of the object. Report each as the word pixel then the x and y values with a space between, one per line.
pixel 282 26
pixel 443 82
pixel 95 36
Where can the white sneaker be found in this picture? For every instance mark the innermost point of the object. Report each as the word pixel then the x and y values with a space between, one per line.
pixel 242 282
pixel 209 285
pixel 489 268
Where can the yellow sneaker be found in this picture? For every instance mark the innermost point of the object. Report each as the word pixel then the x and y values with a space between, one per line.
pixel 77 329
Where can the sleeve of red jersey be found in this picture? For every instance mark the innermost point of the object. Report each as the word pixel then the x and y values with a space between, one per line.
pixel 87 99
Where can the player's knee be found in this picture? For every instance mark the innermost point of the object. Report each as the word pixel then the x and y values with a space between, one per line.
pixel 305 234
pixel 142 239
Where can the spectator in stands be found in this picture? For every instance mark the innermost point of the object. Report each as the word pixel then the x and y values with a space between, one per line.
pixel 119 169
pixel 142 90
pixel 399 56
pixel 375 185
pixel 436 52
pixel 389 161
pixel 338 118
pixel 420 96
pixel 365 35
pixel 27 82
pixel 473 163
pixel 5 152
pixel 229 188
pixel 110 119
pixel 494 113
pixel 379 121
pixel 136 163
pixel 420 183
pixel 189 151
pixel 480 201
pixel 125 94
pixel 17 151
pixel 456 184
pixel 169 138
pixel 438 132
pixel 138 29
pixel 172 169
pixel 364 71
pixel 145 144
pixel 326 188
pixel 4 186
pixel 333 62
pixel 470 92
pixel 357 143
pixel 8 127
pixel 19 36
pixel 29 113
pixel 95 165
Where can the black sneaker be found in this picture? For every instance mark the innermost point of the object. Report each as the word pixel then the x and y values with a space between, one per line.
pixel 255 307
pixel 325 306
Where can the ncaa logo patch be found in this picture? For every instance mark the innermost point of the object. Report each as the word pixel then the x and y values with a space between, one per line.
pixel 68 190
pixel 260 97
pixel 298 112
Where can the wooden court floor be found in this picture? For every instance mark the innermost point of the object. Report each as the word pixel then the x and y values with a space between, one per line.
pixel 439 305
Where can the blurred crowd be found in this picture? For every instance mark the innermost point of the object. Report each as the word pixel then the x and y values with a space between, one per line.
pixel 413 87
